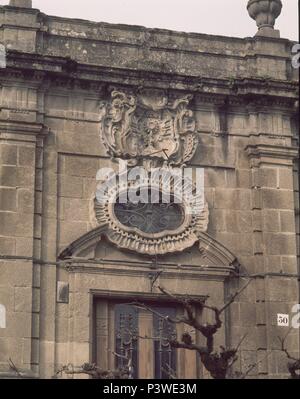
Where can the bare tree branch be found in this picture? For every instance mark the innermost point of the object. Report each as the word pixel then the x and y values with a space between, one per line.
pixel 294 365
pixel 251 367
pixel 170 372
pixel 13 367
pixel 241 341
pixel 284 349
pixel 96 372
pixel 167 318
pixel 217 363
pixel 234 296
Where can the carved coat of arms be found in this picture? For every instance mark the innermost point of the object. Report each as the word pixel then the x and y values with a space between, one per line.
pixel 152 130
pixel 148 127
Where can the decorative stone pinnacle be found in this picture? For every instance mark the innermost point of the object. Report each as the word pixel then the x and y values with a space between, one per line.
pixel 265 12
pixel 21 3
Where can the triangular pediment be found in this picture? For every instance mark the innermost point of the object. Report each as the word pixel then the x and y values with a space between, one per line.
pixel 207 252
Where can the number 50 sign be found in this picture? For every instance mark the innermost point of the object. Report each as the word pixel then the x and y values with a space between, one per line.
pixel 283 320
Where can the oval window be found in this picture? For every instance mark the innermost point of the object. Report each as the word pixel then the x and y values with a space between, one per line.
pixel 150 218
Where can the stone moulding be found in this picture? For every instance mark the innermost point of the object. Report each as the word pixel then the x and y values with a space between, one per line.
pixel 28 129
pixel 271 154
pixel 210 251
pixel 51 70
pixel 162 241
pixel 120 295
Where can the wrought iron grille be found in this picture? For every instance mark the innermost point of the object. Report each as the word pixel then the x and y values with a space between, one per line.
pixel 127 346
pixel 164 355
pixel 150 218
pixel 126 328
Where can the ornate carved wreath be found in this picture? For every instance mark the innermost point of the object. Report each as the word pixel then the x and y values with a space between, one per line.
pixel 152 228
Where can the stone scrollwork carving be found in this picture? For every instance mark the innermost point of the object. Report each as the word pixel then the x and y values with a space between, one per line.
pixel 151 228
pixel 148 128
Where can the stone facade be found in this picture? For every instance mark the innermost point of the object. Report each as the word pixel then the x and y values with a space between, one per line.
pixel 244 99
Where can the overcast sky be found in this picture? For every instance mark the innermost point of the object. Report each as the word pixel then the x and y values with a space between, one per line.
pixel 221 17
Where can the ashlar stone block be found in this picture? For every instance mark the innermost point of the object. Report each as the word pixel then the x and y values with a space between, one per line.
pixel 8 199
pixel 8 154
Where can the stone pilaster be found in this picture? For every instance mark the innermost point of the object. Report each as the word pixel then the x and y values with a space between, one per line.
pixel 274 234
pixel 19 146
pixel 19 29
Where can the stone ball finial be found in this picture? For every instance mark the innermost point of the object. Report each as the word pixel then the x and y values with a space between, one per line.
pixel 265 12
pixel 21 3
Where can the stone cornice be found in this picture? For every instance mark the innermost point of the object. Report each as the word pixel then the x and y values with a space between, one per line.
pixel 271 154
pixel 58 72
pixel 138 32
pixel 12 130
pixel 149 49
pixel 33 27
pixel 55 63
pixel 211 252
pixel 146 296
pixel 208 273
